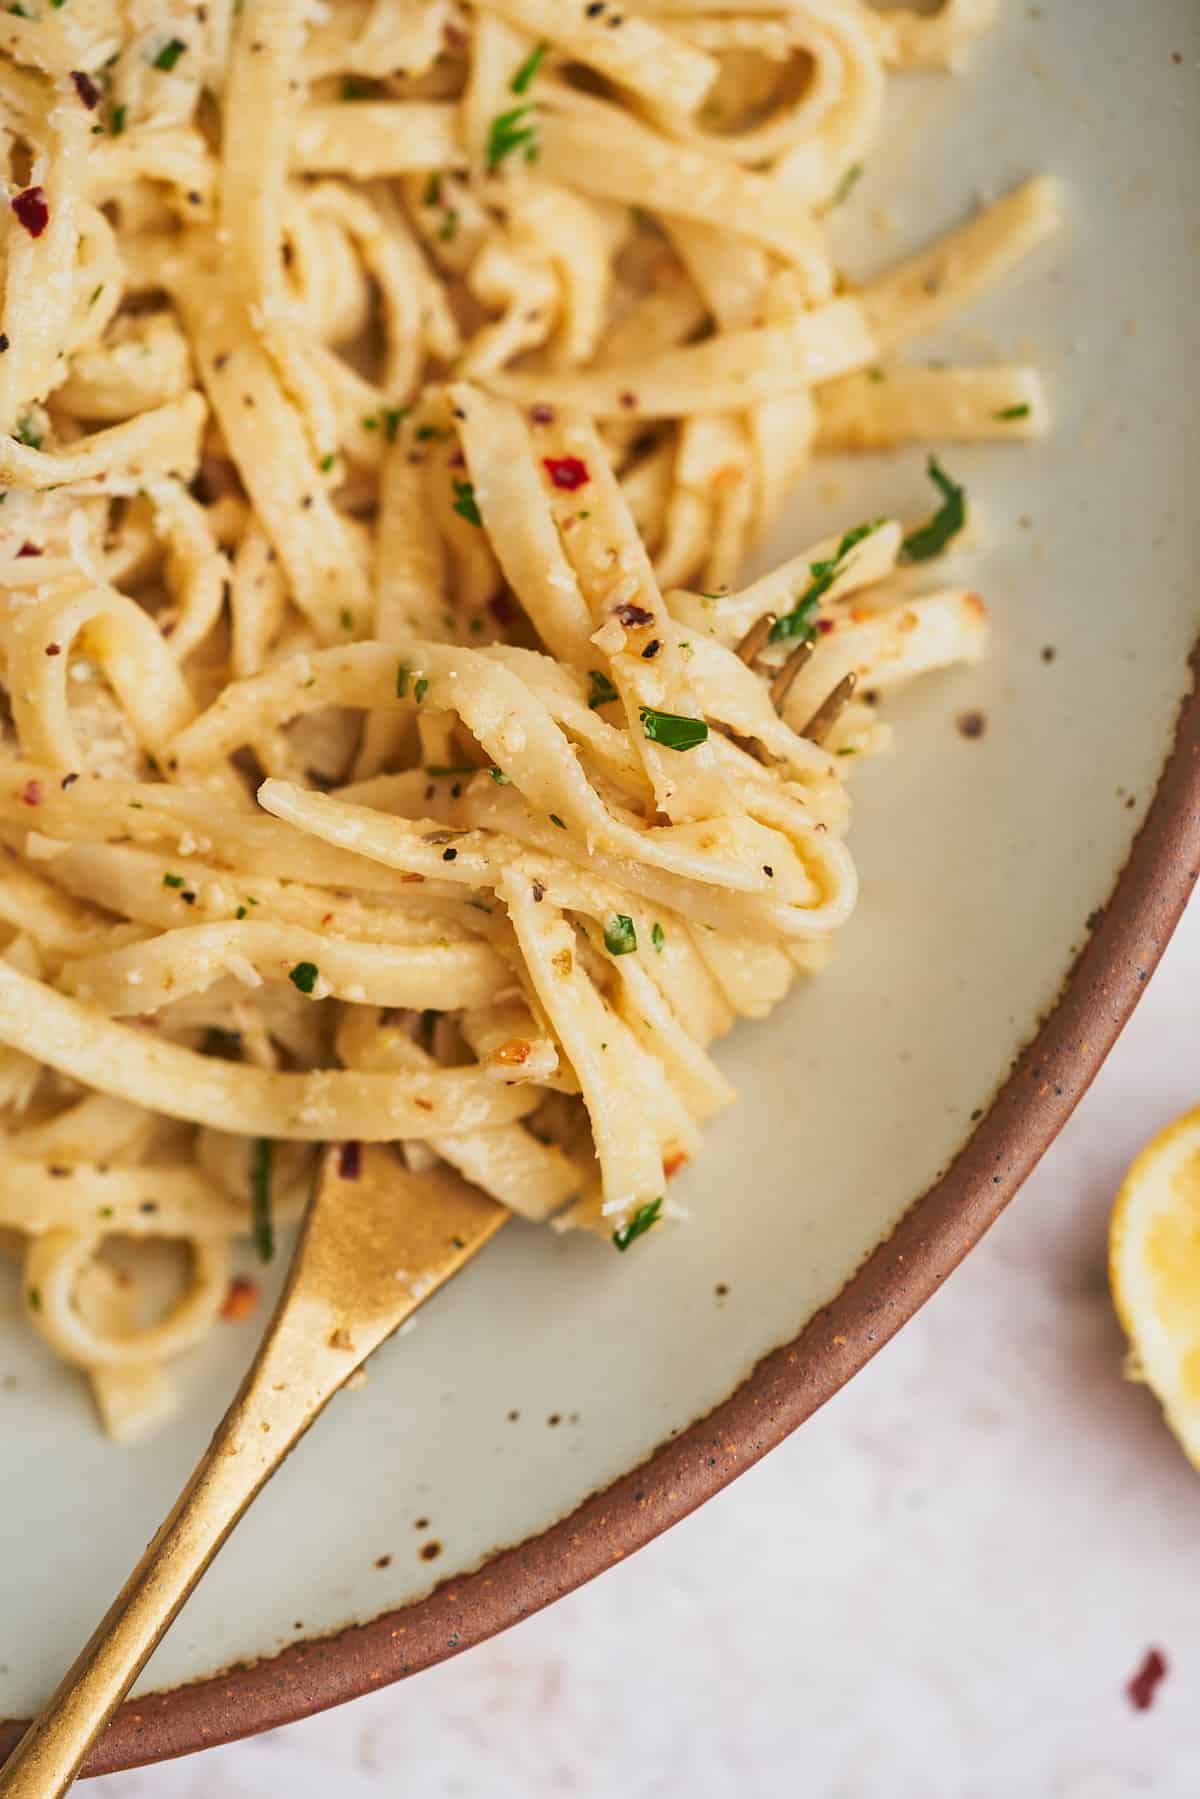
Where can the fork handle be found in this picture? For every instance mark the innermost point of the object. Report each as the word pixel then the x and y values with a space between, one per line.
pixel 368 1223
pixel 276 1404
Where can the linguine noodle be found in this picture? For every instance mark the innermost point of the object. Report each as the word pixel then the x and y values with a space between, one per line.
pixel 390 394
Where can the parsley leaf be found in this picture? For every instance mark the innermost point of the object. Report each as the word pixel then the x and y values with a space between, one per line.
pixel 947 521
pixel 672 729
pixel 27 432
pixel 620 937
pixel 499 777
pixel 420 689
pixel 260 1190
pixel 600 688
pixel 170 53
pixel 528 68
pixel 801 621
pixel 658 937
pixel 465 503
pixel 846 185
pixel 511 131
pixel 638 1225
pixel 304 976
pixel 172 880
pixel 1012 412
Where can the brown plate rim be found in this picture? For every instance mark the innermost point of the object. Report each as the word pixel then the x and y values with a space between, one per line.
pixel 784 1388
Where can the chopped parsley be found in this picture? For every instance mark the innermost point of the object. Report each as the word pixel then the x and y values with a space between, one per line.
pixel 170 53
pixel 949 519
pixel 556 820
pixel 638 1225
pixel 263 1223
pixel 1012 412
pixel 449 225
pixel 801 621
pixel 304 976
pixel 402 681
pixel 511 131
pixel 27 432
pixel 116 123
pixel 672 729
pixel 389 418
pixel 346 619
pixel 459 768
pixel 464 502
pixel 432 434
pixel 172 880
pixel 326 463
pixel 420 689
pixel 620 937
pixel 846 185
pixel 433 190
pixel 355 90
pixel 600 688
pixel 240 913
pixel 499 777
pixel 33 1299
pixel 658 937
pixel 528 68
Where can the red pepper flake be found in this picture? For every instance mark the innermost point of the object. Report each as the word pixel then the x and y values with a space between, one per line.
pixel 1141 1689
pixel 30 549
pixel 32 210
pixel 628 399
pixel 54 649
pixel 541 415
pixel 566 471
pixel 86 88
pixel 240 1299
pixel 824 626
pixel 631 615
pixel 674 1163
pixel 31 793
pixel 350 1161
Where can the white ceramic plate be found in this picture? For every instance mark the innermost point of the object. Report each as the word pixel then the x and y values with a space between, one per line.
pixel 980 862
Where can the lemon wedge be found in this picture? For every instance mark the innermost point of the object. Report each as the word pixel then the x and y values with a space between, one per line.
pixel 1154 1271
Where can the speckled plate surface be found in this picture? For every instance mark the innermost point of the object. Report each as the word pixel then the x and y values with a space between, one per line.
pixel 553 1367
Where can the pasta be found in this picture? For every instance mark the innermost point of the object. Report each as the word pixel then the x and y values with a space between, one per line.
pixel 390 394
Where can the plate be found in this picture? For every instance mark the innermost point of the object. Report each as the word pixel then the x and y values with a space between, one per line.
pixel 553 1368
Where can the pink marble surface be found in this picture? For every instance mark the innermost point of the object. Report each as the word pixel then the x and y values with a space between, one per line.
pixel 937 1590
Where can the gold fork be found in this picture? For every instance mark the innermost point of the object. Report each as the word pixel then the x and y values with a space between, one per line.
pixel 376 1241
